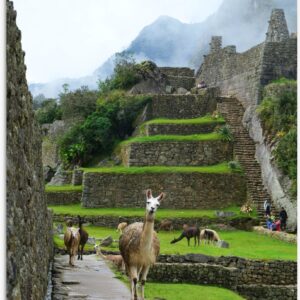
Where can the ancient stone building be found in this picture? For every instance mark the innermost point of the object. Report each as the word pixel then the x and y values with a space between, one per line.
pixel 29 240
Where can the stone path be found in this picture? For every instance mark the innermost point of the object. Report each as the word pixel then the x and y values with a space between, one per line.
pixel 90 279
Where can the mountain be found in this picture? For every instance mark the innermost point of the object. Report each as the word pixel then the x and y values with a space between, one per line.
pixel 169 42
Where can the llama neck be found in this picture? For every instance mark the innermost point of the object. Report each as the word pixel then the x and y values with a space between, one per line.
pixel 147 234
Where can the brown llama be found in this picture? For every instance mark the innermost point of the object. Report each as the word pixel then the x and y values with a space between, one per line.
pixel 121 227
pixel 116 259
pixel 188 233
pixel 84 236
pixel 139 245
pixel 165 225
pixel 209 236
pixel 71 240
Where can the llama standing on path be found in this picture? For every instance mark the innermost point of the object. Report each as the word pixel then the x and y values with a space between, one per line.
pixel 71 240
pixel 139 245
pixel 84 236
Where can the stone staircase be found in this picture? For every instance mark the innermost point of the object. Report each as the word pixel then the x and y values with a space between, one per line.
pixel 244 151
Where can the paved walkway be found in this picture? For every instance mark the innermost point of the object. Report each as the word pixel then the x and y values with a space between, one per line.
pixel 90 279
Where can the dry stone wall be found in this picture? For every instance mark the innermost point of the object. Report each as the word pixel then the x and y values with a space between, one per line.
pixel 184 190
pixel 181 81
pixel 169 71
pixel 63 198
pixel 179 129
pixel 182 106
pixel 29 223
pixel 173 153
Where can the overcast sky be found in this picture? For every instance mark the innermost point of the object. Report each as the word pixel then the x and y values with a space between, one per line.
pixel 71 38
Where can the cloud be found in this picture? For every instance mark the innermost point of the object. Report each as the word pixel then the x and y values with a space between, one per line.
pixel 71 38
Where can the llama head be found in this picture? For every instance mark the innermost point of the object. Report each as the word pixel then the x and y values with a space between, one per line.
pixel 153 203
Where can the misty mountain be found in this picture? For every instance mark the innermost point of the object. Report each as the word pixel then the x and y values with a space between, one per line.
pixel 169 42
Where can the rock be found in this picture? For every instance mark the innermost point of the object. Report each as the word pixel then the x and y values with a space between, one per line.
pixel 61 177
pixel 107 241
pixel 225 214
pixel 91 241
pixel 181 91
pixel 169 89
pixel 60 228
pixel 222 244
pixel 48 173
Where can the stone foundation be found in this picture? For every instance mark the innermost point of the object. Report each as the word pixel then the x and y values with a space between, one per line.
pixel 172 153
pixel 183 190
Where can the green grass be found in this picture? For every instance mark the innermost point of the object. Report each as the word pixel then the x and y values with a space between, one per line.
pixel 202 120
pixel 164 213
pixel 174 138
pixel 242 243
pixel 283 80
pixel 221 168
pixel 182 291
pixel 63 188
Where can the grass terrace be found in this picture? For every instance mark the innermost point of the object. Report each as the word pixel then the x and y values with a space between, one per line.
pixel 202 120
pixel 174 138
pixel 164 213
pixel 242 243
pixel 221 168
pixel 63 188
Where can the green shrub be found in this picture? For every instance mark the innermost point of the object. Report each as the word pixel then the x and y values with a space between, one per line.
pixel 234 166
pixel 48 112
pixel 225 132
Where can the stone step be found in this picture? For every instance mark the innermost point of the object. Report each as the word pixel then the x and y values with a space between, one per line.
pixel 176 153
pixel 189 189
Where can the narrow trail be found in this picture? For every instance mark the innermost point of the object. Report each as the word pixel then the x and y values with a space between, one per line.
pixel 90 279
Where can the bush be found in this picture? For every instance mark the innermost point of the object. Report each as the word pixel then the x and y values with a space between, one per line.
pixel 78 104
pixel 48 112
pixel 278 112
pixel 234 166
pixel 112 121
pixel 225 132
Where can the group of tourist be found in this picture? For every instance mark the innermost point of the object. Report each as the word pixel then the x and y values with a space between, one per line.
pixel 274 224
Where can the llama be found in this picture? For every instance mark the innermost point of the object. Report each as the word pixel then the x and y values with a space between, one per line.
pixel 84 236
pixel 165 225
pixel 71 240
pixel 209 235
pixel 121 227
pixel 139 245
pixel 188 233
pixel 117 260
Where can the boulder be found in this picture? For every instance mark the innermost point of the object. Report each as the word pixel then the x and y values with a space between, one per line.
pixel 225 214
pixel 222 244
pixel 91 241
pixel 181 91
pixel 107 241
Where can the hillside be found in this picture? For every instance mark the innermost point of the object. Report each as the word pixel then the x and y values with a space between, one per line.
pixel 242 23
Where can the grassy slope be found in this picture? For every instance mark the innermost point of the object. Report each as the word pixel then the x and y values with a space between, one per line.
pixel 242 243
pixel 63 188
pixel 76 209
pixel 177 138
pixel 219 169
pixel 202 120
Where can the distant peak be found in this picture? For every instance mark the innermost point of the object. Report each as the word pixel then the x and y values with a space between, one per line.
pixel 166 19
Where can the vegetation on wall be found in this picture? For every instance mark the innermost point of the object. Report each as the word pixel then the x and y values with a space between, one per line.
pixel 278 112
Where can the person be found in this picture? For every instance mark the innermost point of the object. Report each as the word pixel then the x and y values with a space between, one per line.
pixel 267 208
pixel 283 217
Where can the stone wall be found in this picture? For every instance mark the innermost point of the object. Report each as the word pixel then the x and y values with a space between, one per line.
pixel 63 198
pixel 177 223
pixel 181 81
pixel 29 224
pixel 179 129
pixel 169 71
pixel 244 74
pixel 171 153
pixel 184 190
pixel 182 106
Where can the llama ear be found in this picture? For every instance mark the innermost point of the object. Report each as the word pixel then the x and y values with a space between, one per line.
pixel 161 197
pixel 149 194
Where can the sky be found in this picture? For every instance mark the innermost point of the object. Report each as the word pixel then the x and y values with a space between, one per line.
pixel 71 38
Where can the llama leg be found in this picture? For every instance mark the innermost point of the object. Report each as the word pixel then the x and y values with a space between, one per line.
pixel 78 257
pixel 143 280
pixel 82 251
pixel 133 277
pixel 188 240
